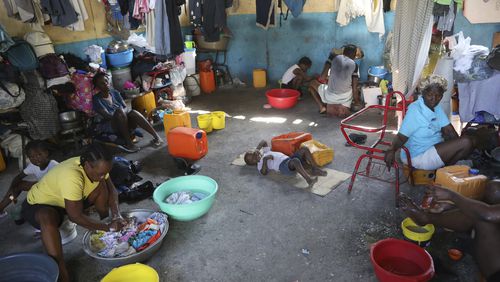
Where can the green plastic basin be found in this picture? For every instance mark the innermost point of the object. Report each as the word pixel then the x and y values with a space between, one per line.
pixel 193 183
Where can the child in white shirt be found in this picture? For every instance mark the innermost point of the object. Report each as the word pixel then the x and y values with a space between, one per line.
pixel 267 160
pixel 40 163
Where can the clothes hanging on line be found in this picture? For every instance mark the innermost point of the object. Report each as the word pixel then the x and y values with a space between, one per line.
pixel 174 26
pixel 265 13
pixel 371 9
pixel 214 18
pixel 61 12
pixel 80 9
pixel 295 6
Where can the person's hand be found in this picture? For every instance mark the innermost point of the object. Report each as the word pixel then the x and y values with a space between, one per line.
pixel 268 157
pixel 117 224
pixel 439 193
pixel 389 157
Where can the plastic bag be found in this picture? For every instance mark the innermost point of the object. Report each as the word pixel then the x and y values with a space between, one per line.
pixel 138 40
pixel 464 53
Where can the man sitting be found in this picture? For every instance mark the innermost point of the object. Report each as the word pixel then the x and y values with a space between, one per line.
pixel 468 215
pixel 342 87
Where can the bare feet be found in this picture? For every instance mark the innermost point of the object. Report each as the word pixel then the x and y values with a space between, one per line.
pixel 318 172
pixel 412 210
pixel 322 110
pixel 312 181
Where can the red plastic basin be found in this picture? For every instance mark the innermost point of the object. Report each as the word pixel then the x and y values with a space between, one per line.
pixel 399 261
pixel 282 98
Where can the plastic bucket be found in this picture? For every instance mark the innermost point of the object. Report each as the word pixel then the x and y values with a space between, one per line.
pixel 396 260
pixel 259 78
pixel 218 120
pixel 205 122
pixel 119 76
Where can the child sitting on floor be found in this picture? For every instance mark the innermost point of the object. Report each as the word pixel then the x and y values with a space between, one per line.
pixel 40 163
pixel 296 76
pixel 267 160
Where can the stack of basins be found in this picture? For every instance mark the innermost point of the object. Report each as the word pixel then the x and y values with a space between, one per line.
pixel 119 57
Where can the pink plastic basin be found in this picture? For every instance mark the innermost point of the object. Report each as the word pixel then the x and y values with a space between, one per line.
pixel 401 261
pixel 282 98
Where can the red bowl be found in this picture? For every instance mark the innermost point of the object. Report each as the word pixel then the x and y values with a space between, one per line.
pixel 396 261
pixel 282 98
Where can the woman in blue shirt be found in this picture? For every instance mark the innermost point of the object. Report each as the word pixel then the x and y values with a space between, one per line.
pixel 427 133
pixel 119 119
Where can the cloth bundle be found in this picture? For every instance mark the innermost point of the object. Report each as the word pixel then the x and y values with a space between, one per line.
pixel 184 197
pixel 133 238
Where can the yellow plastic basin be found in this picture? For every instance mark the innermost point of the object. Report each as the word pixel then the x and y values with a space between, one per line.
pixel 132 273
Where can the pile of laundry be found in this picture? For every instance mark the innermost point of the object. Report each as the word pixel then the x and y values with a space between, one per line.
pixel 184 197
pixel 133 238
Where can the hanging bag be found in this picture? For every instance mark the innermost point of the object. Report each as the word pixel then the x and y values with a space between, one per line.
pixel 52 66
pixel 11 95
pixel 22 56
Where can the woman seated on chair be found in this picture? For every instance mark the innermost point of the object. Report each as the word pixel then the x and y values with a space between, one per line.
pixel 427 133
pixel 116 117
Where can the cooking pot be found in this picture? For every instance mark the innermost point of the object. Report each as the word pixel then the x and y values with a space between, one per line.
pixel 376 74
pixel 68 116
pixel 117 46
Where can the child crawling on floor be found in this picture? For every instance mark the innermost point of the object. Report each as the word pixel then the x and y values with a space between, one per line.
pixel 267 160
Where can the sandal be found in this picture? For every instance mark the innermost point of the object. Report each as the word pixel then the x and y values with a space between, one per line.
pixel 322 112
pixel 156 143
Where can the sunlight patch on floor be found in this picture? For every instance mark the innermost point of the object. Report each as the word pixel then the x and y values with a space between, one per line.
pixel 268 119
pixel 297 121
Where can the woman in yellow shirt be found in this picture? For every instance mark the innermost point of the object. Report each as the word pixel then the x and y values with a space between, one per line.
pixel 68 189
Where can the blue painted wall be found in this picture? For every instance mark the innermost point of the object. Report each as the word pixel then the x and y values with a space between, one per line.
pixel 311 34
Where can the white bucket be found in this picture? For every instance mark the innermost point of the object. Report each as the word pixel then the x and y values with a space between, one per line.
pixel 191 85
pixel 189 59
pixel 120 76
pixel 370 95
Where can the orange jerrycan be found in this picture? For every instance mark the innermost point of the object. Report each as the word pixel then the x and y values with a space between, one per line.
pixel 187 143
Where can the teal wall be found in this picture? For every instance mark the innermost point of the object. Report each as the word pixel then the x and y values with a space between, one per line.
pixel 311 34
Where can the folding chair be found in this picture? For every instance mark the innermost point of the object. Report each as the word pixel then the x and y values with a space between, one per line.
pixel 373 153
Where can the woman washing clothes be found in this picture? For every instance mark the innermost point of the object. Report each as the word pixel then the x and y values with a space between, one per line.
pixel 117 118
pixel 427 132
pixel 67 189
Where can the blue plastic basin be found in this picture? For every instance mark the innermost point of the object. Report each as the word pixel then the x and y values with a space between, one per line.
pixel 193 183
pixel 121 59
pixel 28 267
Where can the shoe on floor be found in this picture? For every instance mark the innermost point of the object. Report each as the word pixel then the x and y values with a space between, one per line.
pixel 67 231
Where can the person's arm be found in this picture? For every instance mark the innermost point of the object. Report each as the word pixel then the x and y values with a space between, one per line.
pixel 300 73
pixel 328 64
pixel 74 209
pixel 113 199
pixel 397 143
pixel 449 133
pixel 262 144
pixel 17 179
pixel 264 170
pixel 472 208
pixel 355 92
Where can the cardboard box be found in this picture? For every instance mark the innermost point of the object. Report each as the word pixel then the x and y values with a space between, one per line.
pixel 458 179
pixel 478 11
pixel 496 39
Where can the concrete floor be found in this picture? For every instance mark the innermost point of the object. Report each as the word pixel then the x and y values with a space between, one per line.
pixel 257 228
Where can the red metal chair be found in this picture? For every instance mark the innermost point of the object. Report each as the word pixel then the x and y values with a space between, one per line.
pixel 373 152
